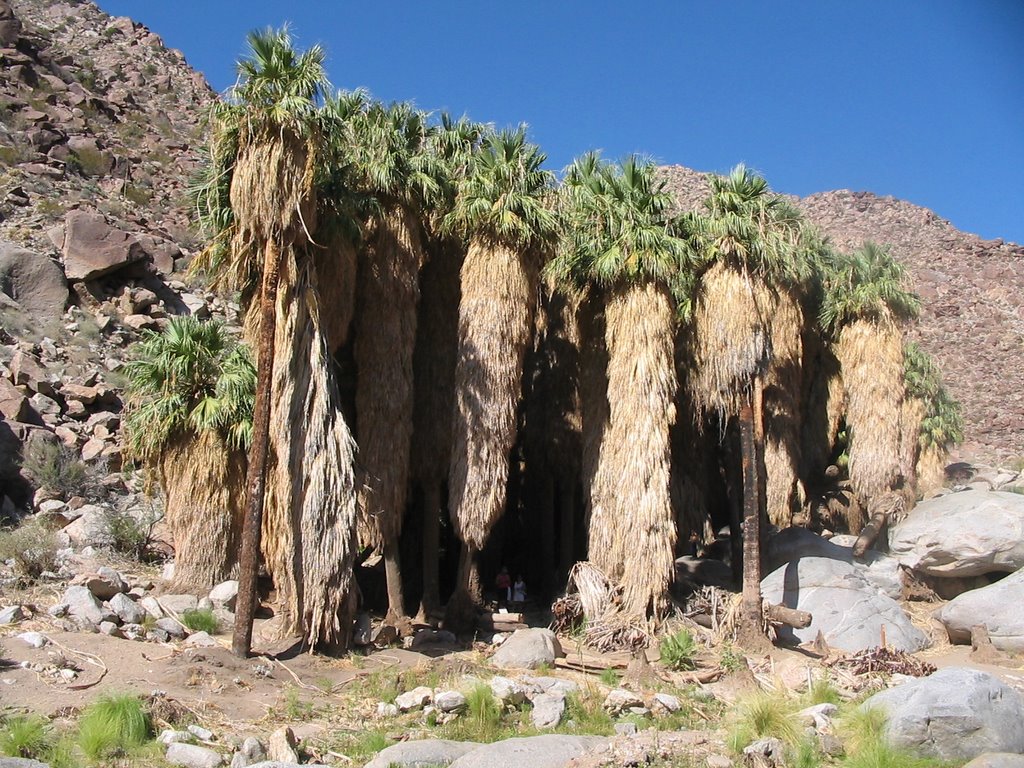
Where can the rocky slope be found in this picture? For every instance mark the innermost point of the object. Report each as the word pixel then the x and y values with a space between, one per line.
pixel 972 292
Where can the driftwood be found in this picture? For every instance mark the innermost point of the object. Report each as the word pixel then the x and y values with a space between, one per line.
pixel 791 617
pixel 888 505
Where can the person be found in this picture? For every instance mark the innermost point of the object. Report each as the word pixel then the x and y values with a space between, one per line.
pixel 519 590
pixel 504 584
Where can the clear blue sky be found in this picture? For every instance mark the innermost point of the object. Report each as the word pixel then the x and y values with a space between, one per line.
pixel 921 99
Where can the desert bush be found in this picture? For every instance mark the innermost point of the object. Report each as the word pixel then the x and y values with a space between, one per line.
pixel 32 548
pixel 129 534
pixel 58 468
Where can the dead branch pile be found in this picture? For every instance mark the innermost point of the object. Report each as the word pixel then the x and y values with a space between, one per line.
pixel 593 605
pixel 883 661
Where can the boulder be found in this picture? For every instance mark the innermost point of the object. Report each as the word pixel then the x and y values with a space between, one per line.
pixel 127 610
pixel 548 709
pixel 281 746
pixel 178 604
pixel 794 543
pixel 11 615
pixel 414 699
pixel 83 605
pixel 953 715
pixel 21 762
pixel 32 280
pixel 527 649
pixel 224 594
pixel 449 701
pixel 192 756
pixel 92 248
pixel 620 699
pixel 997 760
pixel 846 608
pixel 90 528
pixel 996 607
pixel 548 751
pixel 422 753
pixel 507 691
pixel 962 534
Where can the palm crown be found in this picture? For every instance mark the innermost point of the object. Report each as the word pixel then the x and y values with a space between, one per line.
pixel 192 377
pixel 616 218
pixel 504 197
pixel 865 285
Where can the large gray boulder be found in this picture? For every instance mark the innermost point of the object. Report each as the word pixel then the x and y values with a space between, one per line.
pixel 32 280
pixel 527 649
pixel 192 756
pixel 962 534
pixel 997 760
pixel 997 607
pixel 21 762
pixel 423 753
pixel 953 715
pixel 792 544
pixel 93 248
pixel 846 608
pixel 549 751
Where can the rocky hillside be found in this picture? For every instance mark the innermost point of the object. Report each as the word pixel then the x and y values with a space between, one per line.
pixel 972 290
pixel 101 127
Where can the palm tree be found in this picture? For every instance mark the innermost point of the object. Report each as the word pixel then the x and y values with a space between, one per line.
pixel 266 140
pixel 746 238
pixel 189 418
pixel 619 244
pixel 864 303
pixel 501 209
pixel 931 422
pixel 454 143
pixel 392 163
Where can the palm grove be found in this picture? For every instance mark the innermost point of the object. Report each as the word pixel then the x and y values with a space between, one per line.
pixel 452 360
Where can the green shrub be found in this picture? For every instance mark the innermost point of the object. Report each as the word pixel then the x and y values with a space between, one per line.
pixel 24 737
pixel 32 548
pixel 609 677
pixel 88 161
pixel 677 651
pixel 113 725
pixel 201 620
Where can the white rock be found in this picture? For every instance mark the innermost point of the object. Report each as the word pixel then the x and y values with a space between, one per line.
pixel 997 607
pixel 33 639
pixel 620 699
pixel 192 756
pixel 527 649
pixel 548 709
pixel 668 702
pixel 450 701
pixel 507 691
pixel 414 699
pixel 203 734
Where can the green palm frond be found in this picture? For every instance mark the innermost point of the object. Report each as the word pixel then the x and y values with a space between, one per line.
pixel 191 377
pixel 868 284
pixel 506 197
pixel 750 228
pixel 617 228
pixel 943 423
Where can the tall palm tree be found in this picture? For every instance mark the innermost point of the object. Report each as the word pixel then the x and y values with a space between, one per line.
pixel 865 301
pixel 189 418
pixel 619 244
pixel 394 164
pixel 453 142
pixel 501 208
pixel 745 236
pixel 266 140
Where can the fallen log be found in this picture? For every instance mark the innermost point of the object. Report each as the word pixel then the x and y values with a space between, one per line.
pixel 485 623
pixel 791 617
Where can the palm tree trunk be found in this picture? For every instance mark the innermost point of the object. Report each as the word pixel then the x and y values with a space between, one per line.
pixel 632 532
pixel 749 630
pixel 389 295
pixel 567 526
pixel 431 599
pixel 248 565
